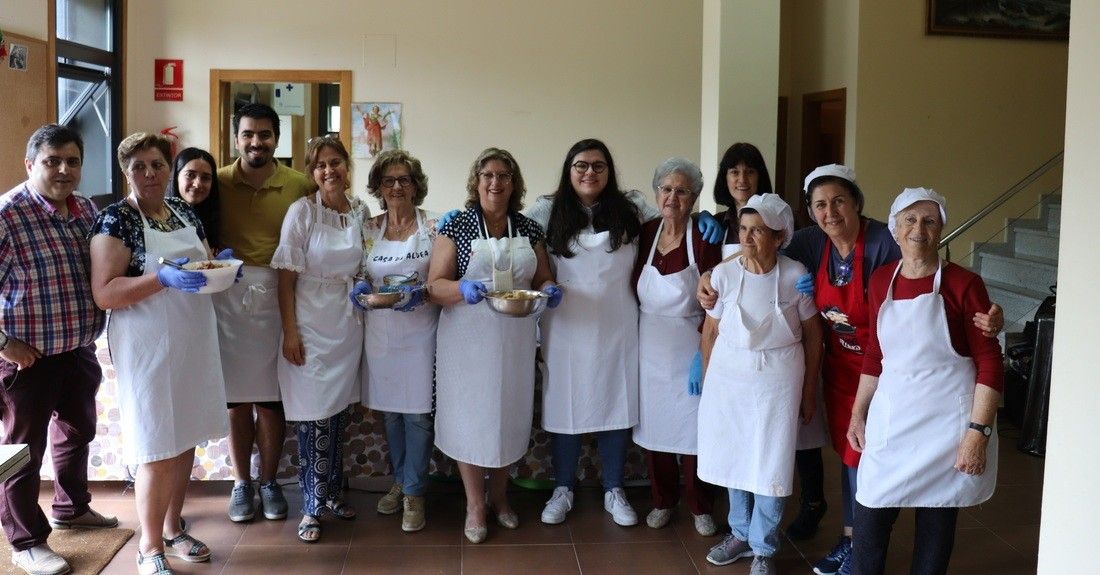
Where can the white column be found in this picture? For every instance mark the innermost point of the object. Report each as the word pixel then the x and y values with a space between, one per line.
pixel 740 88
pixel 1070 498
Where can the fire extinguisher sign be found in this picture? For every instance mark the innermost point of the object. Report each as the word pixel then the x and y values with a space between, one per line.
pixel 168 80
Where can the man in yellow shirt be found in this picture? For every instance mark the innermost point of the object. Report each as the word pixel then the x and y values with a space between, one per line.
pixel 256 191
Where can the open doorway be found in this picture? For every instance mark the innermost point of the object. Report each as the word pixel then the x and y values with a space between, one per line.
pixel 823 120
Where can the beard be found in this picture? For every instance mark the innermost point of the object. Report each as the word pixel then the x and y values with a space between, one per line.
pixel 258 161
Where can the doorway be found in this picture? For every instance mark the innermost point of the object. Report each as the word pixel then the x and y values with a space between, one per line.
pixel 823 120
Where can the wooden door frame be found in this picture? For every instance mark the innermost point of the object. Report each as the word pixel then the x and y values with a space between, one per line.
pixel 813 101
pixel 219 94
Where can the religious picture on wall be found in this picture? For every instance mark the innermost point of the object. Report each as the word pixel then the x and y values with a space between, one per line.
pixel 375 127
pixel 17 59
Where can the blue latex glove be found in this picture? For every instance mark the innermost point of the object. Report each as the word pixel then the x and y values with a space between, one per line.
pixel 360 288
pixel 227 254
pixel 695 375
pixel 182 280
pixel 805 284
pixel 712 230
pixel 555 293
pixel 415 297
pixel 473 292
pixel 445 218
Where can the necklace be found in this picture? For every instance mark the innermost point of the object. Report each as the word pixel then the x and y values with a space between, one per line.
pixel 160 215
pixel 667 244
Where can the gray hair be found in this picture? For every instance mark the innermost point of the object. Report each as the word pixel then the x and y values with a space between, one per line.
pixel 683 167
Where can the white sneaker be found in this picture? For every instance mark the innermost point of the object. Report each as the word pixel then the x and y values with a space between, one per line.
pixel 658 518
pixel 704 525
pixel 561 502
pixel 40 560
pixel 615 503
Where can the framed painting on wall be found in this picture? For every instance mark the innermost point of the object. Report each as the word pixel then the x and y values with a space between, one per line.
pixel 375 127
pixel 1032 19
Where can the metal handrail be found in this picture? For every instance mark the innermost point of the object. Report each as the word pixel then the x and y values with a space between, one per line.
pixel 996 203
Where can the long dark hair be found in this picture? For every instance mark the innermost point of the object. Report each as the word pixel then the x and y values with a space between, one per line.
pixel 207 210
pixel 740 153
pixel 614 213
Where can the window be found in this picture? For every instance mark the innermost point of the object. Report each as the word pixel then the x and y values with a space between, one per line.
pixel 88 38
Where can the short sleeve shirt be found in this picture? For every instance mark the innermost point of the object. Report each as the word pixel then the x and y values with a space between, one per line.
pixel 464 228
pixel 251 218
pixel 120 220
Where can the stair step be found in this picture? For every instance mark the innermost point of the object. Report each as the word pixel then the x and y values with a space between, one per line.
pixel 1035 242
pixel 1053 214
pixel 1018 306
pixel 1026 273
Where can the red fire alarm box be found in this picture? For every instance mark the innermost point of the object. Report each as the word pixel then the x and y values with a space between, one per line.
pixel 168 80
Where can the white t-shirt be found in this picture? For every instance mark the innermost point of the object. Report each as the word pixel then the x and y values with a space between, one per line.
pixel 540 209
pixel 759 298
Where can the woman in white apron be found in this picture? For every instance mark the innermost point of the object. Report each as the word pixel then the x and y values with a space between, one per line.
pixel 485 362
pixel 163 342
pixel 762 348
pixel 925 412
pixel 399 349
pixel 319 253
pixel 668 333
pixel 742 173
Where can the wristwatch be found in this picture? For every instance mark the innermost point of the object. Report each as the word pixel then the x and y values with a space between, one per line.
pixel 983 429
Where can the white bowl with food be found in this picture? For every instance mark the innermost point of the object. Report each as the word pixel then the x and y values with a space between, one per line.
pixel 517 302
pixel 220 274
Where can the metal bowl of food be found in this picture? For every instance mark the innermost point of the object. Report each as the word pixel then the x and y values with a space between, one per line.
pixel 517 302
pixel 384 298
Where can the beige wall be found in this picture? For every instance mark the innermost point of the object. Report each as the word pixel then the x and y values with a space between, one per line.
pixel 1067 541
pixel 740 81
pixel 967 116
pixel 26 17
pixel 820 45
pixel 533 77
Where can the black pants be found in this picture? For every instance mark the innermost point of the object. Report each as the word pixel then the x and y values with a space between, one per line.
pixel 811 474
pixel 932 542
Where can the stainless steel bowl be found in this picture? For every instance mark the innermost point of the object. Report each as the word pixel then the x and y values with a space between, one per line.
pixel 517 303
pixel 380 300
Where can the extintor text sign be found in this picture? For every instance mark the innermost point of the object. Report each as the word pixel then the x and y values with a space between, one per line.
pixel 168 80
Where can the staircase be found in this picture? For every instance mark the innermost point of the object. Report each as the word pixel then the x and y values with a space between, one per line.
pixel 1018 273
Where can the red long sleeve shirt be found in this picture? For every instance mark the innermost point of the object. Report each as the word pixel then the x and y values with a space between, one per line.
pixel 964 294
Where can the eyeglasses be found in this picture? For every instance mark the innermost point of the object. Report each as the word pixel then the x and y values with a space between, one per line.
pixel 581 167
pixel 138 168
pixel 678 192
pixel 502 177
pixel 403 181
pixel 843 274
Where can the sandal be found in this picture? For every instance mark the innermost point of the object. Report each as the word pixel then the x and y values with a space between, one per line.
pixel 196 551
pixel 157 561
pixel 342 510
pixel 309 530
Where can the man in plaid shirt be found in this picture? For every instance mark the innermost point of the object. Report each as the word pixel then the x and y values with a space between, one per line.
pixel 48 326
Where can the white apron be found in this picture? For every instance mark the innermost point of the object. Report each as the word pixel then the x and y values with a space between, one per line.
pixel 485 362
pixel 814 434
pixel 399 351
pixel 591 343
pixel 249 335
pixel 920 412
pixel 330 329
pixel 165 352
pixel 748 414
pixel 668 335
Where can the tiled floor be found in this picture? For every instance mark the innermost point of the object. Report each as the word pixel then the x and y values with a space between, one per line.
pixel 999 537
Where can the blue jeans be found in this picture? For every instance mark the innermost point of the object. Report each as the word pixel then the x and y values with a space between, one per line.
pixel 848 491
pixel 755 518
pixel 410 439
pixel 565 453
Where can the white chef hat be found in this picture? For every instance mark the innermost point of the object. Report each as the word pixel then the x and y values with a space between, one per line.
pixel 836 171
pixel 910 196
pixel 776 213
